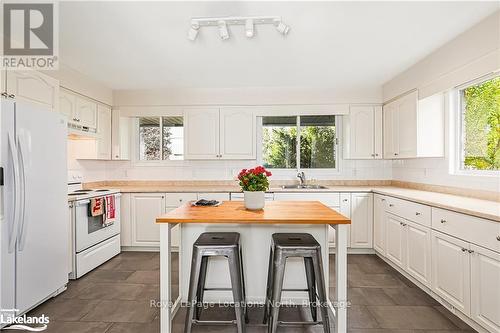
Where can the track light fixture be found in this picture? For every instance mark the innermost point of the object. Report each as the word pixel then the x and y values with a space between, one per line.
pixel 193 31
pixel 222 24
pixel 223 32
pixel 249 29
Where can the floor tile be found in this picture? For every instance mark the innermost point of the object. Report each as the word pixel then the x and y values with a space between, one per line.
pixel 410 317
pixel 144 277
pixel 62 309
pixel 108 291
pixel 358 316
pixel 122 311
pixel 77 327
pixel 410 296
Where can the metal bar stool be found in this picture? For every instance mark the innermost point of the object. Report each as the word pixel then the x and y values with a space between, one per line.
pixel 283 246
pixel 211 244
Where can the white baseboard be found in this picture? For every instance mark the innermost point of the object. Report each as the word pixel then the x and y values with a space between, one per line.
pixel 351 250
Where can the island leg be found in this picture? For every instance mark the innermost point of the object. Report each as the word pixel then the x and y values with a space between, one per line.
pixel 341 278
pixel 166 315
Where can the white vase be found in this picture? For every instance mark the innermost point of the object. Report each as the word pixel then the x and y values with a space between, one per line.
pixel 254 200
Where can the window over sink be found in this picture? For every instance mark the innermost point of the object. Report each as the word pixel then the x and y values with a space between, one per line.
pixel 299 142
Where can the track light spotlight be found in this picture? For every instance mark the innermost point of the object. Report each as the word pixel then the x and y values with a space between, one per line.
pixel 193 32
pixel 282 28
pixel 223 32
pixel 249 28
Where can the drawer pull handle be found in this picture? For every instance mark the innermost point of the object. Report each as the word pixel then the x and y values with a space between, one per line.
pixel 498 238
pixel 471 251
pixel 443 221
pixel 345 200
pixel 417 213
pixel 464 250
pixel 391 205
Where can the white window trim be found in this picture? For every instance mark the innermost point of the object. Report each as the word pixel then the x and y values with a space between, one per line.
pixel 136 161
pixel 312 171
pixel 457 130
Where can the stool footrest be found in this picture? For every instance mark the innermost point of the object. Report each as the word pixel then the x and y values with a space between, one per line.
pixel 293 289
pixel 299 323
pixel 217 289
pixel 214 322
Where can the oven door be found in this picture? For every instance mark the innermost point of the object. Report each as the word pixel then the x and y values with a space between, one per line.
pixel 90 229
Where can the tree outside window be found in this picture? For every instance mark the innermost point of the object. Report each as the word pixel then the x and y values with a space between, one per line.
pixel 164 144
pixel 480 105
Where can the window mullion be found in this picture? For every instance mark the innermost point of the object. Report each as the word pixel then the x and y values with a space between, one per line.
pixel 298 144
pixel 161 138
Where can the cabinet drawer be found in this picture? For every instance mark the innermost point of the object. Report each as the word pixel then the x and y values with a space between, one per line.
pixel 409 210
pixel 177 199
pixel 472 229
pixel 214 196
pixel 328 199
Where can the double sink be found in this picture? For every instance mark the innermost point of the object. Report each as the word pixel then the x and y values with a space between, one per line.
pixel 303 187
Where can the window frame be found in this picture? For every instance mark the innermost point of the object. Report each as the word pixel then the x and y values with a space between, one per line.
pixel 458 124
pixel 317 171
pixel 136 161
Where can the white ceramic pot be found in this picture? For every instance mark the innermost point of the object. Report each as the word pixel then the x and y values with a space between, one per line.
pixel 254 200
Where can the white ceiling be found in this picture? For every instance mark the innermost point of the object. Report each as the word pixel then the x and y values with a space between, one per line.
pixel 338 45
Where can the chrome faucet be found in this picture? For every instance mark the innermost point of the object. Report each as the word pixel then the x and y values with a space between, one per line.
pixel 302 177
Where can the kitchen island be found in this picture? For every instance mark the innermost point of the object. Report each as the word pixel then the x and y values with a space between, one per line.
pixel 255 228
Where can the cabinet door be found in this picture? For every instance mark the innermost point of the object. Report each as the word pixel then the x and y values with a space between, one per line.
pixel 395 240
pixel 390 130
pixel 451 270
pixel 201 133
pixel 407 125
pixel 361 220
pixel 418 252
pixel 120 136
pixel 86 112
pixel 103 132
pixel 67 106
pixel 344 209
pixel 361 132
pixel 125 220
pixel 146 207
pixel 237 133
pixel 485 287
pixel 378 135
pixel 379 223
pixel 34 87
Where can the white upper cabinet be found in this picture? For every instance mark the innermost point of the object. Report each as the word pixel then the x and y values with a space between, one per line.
pixel 103 132
pixel 33 87
pixel 227 133
pixel 237 133
pixel 201 128
pixel 120 136
pixel 86 112
pixel 67 106
pixel 363 133
pixel 414 128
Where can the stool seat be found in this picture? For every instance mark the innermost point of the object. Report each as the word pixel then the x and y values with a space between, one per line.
pixel 295 240
pixel 218 239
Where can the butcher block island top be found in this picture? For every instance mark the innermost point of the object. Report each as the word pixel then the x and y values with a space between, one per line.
pixel 275 212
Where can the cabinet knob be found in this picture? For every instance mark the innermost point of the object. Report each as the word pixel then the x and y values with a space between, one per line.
pixel 376 154
pixel 417 213
pixel 345 200
pixel 391 205
pixel 498 238
pixel 471 251
pixel 4 94
pixel 464 249
pixel 443 221
pixel 382 199
pixel 12 96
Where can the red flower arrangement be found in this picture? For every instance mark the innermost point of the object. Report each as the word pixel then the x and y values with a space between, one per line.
pixel 254 179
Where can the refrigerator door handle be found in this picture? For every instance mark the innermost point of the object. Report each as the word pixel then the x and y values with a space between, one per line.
pixel 15 216
pixel 22 215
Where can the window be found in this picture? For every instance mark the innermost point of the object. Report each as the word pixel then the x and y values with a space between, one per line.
pixel 305 141
pixel 161 138
pixel 480 126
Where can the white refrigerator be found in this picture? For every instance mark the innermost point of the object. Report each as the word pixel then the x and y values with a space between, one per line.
pixel 33 215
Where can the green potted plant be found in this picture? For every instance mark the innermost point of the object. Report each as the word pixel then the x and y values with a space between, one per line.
pixel 254 184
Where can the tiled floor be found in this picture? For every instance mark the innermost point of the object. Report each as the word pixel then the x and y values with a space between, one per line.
pixel 115 298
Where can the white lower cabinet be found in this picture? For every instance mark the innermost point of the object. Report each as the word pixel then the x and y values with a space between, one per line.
pixel 485 287
pixel 451 270
pixel 379 218
pixel 418 252
pixel 145 208
pixel 362 220
pixel 395 239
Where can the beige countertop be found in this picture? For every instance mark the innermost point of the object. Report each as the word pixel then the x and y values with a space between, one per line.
pixel 462 204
